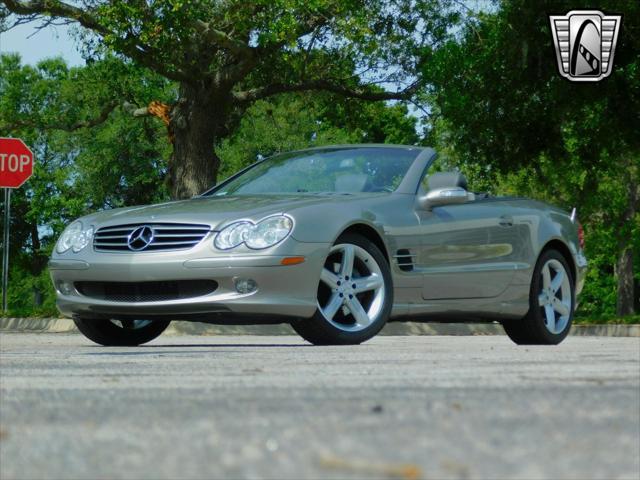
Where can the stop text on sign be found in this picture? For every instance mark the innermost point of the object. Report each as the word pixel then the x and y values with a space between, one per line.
pixel 14 163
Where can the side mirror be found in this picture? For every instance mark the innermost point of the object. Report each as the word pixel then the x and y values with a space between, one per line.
pixel 443 196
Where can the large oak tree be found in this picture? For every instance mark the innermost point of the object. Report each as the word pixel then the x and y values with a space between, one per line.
pixel 226 54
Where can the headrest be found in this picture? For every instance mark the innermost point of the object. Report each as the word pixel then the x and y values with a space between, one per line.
pixel 351 182
pixel 446 179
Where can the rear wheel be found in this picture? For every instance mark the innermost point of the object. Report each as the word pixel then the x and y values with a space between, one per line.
pixel 551 304
pixel 120 333
pixel 355 295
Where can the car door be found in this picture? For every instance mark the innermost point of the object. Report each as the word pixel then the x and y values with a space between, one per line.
pixel 468 250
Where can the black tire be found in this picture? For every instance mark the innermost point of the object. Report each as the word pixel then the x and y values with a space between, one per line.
pixel 317 329
pixel 104 332
pixel 532 329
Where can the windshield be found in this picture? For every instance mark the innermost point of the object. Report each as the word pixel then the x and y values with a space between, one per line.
pixel 344 170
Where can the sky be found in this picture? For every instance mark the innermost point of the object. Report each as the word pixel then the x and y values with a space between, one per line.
pixel 47 43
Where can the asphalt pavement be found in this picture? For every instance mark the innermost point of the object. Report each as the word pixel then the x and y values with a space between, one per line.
pixel 274 407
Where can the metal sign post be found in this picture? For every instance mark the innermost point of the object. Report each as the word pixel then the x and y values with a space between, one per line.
pixel 5 247
pixel 16 166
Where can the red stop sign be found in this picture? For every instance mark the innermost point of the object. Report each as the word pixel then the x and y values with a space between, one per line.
pixel 16 162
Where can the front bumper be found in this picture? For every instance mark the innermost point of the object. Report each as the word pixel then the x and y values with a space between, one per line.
pixel 282 291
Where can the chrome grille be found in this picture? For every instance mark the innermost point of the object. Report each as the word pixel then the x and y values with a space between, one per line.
pixel 166 236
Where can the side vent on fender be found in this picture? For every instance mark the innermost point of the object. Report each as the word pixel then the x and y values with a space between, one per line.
pixel 404 259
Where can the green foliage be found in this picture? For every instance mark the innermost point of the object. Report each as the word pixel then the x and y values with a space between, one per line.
pixel 122 162
pixel 31 295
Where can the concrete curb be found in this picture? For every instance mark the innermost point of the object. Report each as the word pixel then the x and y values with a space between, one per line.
pixel 63 325
pixel 45 325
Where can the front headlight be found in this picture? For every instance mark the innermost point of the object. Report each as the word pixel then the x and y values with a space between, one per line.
pixel 232 236
pixel 74 237
pixel 264 234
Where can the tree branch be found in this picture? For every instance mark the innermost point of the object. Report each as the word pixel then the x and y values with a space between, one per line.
pixel 236 47
pixel 305 27
pixel 144 57
pixel 57 9
pixel 363 93
pixel 135 110
pixel 247 55
pixel 472 14
pixel 54 8
pixel 92 122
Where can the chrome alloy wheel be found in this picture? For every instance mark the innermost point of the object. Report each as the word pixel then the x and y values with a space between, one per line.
pixel 555 298
pixel 351 293
pixel 131 324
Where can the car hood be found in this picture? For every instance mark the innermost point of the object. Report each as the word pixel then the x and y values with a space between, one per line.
pixel 215 211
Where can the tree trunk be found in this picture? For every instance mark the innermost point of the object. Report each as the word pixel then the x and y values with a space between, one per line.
pixel 194 120
pixel 625 303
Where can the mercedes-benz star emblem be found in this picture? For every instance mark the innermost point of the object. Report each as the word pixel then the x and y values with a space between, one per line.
pixel 140 238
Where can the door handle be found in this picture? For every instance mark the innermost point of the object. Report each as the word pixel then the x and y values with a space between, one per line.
pixel 506 221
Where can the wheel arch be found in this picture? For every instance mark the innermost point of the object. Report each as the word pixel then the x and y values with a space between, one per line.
pixel 370 233
pixel 560 246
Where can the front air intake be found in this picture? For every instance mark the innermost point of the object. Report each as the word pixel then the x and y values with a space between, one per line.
pixel 133 292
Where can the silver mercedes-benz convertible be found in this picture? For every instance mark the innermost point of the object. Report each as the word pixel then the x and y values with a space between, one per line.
pixel 335 241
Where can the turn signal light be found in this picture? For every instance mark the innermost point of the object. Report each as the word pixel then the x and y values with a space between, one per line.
pixel 291 260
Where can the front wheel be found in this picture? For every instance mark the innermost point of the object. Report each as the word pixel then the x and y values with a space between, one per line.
pixel 551 304
pixel 120 333
pixel 355 295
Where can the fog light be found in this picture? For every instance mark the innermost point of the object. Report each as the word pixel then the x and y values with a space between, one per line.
pixel 245 285
pixel 65 288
